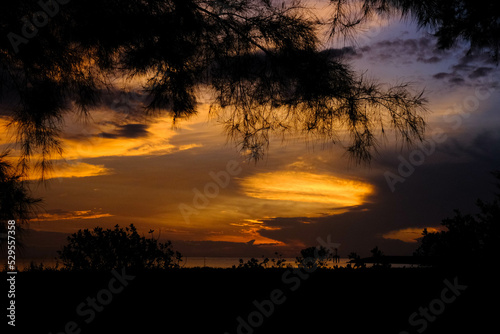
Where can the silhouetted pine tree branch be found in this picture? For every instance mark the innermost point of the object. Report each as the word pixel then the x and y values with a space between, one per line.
pixel 262 61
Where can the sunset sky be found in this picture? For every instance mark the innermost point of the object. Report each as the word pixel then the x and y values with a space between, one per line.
pixel 191 185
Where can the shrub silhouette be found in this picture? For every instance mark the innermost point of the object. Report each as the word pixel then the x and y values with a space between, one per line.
pixel 102 249
pixel 266 262
pixel 253 264
pixel 378 257
pixel 312 257
pixel 355 259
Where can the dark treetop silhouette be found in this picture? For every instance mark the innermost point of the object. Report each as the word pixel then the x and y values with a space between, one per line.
pixel 261 60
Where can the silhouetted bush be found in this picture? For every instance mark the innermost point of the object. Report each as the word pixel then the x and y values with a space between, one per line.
pixel 102 249
pixel 37 267
pixel 378 257
pixel 314 257
pixel 266 262
pixel 355 261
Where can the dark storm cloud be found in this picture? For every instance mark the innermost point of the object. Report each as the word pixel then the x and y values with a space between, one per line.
pixel 420 49
pixel 442 75
pixel 410 46
pixel 456 80
pixel 468 69
pixel 474 59
pixel 345 52
pixel 430 60
pixel 127 131
pixel 472 75
pixel 480 72
pixel 483 147
pixel 465 69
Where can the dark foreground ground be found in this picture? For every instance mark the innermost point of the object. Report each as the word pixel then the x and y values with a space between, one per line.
pixel 268 301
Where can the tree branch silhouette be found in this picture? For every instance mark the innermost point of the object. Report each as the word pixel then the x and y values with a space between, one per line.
pixel 16 202
pixel 262 62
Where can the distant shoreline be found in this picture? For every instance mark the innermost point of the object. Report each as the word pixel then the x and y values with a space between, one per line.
pixel 197 261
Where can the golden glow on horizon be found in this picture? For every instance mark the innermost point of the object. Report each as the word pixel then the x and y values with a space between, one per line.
pixel 410 234
pixel 306 187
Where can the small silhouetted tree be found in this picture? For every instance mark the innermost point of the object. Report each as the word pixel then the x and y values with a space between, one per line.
pixel 378 257
pixel 107 249
pixel 355 258
pixel 252 264
pixel 278 262
pixel 314 257
pixel 266 262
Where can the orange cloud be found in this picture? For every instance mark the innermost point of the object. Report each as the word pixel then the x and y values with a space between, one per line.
pixel 305 187
pixel 108 139
pixel 102 137
pixel 411 234
pixel 65 215
pixel 250 237
pixel 73 169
